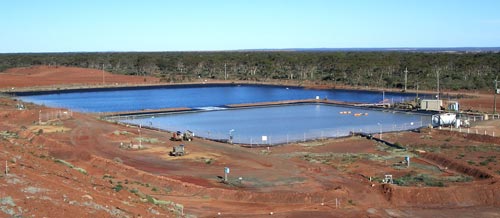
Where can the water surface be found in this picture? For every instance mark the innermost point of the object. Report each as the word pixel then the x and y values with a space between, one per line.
pixel 195 96
pixel 283 124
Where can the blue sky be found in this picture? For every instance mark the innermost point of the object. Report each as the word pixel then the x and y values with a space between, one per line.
pixel 93 25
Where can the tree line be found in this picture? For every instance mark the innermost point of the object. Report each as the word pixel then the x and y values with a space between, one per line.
pixel 384 69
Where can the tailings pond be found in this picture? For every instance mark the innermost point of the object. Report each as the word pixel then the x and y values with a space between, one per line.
pixel 194 96
pixel 258 125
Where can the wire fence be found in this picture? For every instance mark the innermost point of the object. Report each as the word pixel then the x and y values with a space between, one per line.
pixel 472 130
pixel 54 114
pixel 478 130
pixel 237 137
pixel 270 138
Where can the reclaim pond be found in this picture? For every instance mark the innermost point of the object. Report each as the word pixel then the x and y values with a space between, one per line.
pixel 282 124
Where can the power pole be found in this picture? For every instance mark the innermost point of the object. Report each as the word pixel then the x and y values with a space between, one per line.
pixel 140 136
pixel 495 96
pixel 406 77
pixel 103 82
pixel 417 91
pixel 225 72
pixel 437 96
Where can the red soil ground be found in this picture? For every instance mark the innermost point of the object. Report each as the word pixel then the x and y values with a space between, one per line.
pixel 296 180
pixel 58 76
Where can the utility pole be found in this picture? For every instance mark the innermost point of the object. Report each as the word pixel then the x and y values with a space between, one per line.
pixel 406 77
pixel 437 96
pixel 103 82
pixel 225 72
pixel 380 126
pixel 417 90
pixel 495 96
pixel 140 136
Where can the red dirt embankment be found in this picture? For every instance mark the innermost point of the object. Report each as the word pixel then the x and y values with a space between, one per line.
pixel 472 137
pixel 46 76
pixel 459 167
pixel 466 195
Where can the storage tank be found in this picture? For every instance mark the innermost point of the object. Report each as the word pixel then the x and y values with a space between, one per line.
pixel 445 119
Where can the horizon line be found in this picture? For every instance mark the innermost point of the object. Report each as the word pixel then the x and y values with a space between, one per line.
pixel 324 49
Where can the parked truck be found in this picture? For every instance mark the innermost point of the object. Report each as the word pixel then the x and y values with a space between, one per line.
pixel 176 136
pixel 188 136
pixel 179 136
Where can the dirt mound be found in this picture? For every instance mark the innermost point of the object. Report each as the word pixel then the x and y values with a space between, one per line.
pixel 485 193
pixel 454 165
pixel 65 76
